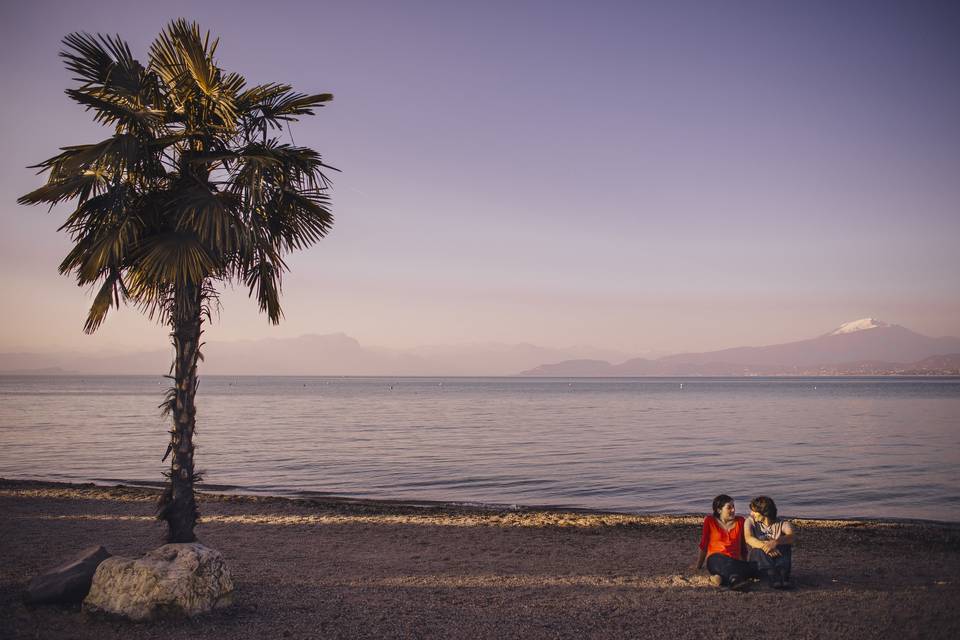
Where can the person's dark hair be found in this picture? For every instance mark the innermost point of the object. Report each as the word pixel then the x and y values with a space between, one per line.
pixel 718 503
pixel 764 506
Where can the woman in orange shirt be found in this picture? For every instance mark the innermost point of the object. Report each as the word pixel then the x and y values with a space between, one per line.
pixel 723 547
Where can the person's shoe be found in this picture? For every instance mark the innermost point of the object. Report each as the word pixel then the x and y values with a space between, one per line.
pixel 715 580
pixel 781 580
pixel 773 578
pixel 738 584
pixel 785 583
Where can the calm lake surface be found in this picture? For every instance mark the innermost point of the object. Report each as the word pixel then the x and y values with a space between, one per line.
pixel 855 447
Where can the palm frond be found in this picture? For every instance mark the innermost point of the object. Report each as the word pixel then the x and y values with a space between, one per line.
pixel 150 298
pixel 108 249
pixel 270 106
pixel 113 109
pixel 259 166
pixel 263 279
pixel 248 100
pixel 108 296
pixel 105 230
pixel 102 61
pixel 197 55
pixel 209 216
pixel 93 212
pixel 299 218
pixel 119 153
pixel 80 186
pixel 174 259
pixel 166 61
pixel 184 60
pixel 287 105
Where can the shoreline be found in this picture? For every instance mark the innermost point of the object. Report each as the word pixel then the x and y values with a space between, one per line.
pixel 309 567
pixel 785 376
pixel 230 491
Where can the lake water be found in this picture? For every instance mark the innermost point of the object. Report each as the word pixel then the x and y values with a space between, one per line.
pixel 821 447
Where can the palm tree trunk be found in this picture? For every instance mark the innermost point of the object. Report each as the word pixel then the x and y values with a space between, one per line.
pixel 177 504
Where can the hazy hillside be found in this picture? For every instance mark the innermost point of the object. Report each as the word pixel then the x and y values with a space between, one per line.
pixel 867 346
pixel 333 354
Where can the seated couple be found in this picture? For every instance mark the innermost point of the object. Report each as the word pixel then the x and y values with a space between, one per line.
pixel 726 538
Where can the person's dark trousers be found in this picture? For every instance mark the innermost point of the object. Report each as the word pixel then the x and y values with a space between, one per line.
pixel 782 563
pixel 725 566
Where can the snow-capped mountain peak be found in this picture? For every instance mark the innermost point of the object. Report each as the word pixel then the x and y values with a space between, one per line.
pixel 859 325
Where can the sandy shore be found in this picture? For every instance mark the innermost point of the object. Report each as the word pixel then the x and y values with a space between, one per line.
pixel 336 569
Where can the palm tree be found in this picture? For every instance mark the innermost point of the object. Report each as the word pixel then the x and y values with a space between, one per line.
pixel 194 189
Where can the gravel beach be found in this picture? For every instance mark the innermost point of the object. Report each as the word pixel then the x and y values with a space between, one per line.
pixel 352 569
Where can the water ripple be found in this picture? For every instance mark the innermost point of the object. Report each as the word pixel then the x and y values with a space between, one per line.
pixel 854 447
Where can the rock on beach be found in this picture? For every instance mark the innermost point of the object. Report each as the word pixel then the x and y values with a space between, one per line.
pixel 69 582
pixel 188 579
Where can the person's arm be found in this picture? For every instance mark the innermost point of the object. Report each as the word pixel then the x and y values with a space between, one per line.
pixel 767 546
pixel 704 543
pixel 701 558
pixel 751 540
pixel 787 534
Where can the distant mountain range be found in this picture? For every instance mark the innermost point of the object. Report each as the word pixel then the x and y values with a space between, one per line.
pixel 332 354
pixel 861 347
pixel 865 347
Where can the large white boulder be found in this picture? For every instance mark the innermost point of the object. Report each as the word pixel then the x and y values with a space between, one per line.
pixel 176 578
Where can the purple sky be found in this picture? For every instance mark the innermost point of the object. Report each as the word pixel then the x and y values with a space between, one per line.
pixel 628 175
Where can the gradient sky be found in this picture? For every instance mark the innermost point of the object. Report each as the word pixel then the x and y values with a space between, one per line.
pixel 662 176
